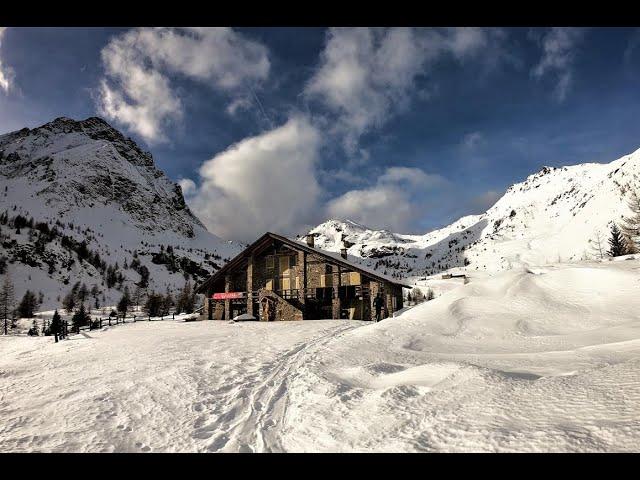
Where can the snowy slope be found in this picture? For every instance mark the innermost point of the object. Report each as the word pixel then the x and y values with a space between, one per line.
pixel 538 359
pixel 552 216
pixel 93 184
pixel 525 360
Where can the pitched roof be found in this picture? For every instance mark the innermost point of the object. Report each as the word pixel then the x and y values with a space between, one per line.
pixel 333 257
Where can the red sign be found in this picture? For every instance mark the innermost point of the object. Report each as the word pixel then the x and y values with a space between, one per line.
pixel 227 295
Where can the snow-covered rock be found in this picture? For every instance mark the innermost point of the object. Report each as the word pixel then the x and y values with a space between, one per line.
pixel 93 184
pixel 552 216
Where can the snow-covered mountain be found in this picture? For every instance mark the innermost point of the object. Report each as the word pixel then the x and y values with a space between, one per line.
pixel 553 216
pixel 72 181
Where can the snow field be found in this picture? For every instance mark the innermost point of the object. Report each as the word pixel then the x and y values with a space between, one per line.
pixel 532 359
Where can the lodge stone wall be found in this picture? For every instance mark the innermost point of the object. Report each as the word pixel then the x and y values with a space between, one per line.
pixel 285 311
pixel 316 267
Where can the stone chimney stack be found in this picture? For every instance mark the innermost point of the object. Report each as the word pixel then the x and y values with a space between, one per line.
pixel 311 240
pixel 343 252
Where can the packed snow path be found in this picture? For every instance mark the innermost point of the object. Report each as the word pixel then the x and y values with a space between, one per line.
pixel 155 386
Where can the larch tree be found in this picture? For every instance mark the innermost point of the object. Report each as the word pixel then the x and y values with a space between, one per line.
pixel 7 301
pixel 598 247
pixel 631 225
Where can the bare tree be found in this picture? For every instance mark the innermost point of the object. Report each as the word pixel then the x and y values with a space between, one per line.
pixel 7 301
pixel 630 227
pixel 417 295
pixel 598 246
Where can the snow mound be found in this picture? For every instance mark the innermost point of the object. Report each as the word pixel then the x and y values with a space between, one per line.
pixel 530 359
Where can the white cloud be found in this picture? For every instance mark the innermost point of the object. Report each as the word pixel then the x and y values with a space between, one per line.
pixel 414 177
pixel 6 73
pixel 366 75
pixel 262 183
pixel 558 46
pixel 188 186
pixel 239 104
pixel 392 203
pixel 137 91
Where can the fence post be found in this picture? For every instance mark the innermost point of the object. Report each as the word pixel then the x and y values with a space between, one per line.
pixel 149 317
pixel 100 323
pixel 109 321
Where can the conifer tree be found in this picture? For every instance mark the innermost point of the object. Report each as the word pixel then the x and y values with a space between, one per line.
pixel 186 299
pixel 617 244
pixel 80 318
pixel 82 293
pixel 69 301
pixel 125 302
pixel 7 300
pixel 167 302
pixel 27 305
pixel 153 305
pixel 56 325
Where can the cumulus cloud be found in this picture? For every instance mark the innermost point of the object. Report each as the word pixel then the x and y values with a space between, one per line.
pixel 6 73
pixel 137 91
pixel 559 45
pixel 266 182
pixel 392 202
pixel 366 75
pixel 188 186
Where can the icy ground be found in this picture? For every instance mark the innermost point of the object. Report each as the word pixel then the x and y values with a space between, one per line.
pixel 531 359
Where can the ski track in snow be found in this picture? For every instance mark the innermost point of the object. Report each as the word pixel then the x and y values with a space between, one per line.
pixel 147 387
pixel 526 360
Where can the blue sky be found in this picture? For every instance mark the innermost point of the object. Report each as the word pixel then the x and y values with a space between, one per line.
pixel 281 128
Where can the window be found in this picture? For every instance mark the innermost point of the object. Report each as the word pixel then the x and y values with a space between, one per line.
pixel 284 266
pixel 326 280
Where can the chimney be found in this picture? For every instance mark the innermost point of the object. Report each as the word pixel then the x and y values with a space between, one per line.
pixel 310 240
pixel 343 252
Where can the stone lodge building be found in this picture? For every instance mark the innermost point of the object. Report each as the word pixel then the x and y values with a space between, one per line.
pixel 276 278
